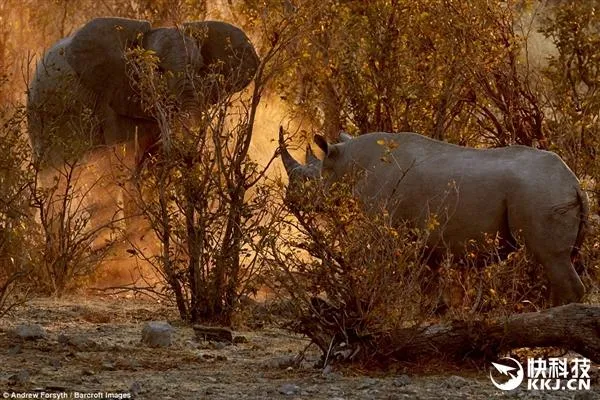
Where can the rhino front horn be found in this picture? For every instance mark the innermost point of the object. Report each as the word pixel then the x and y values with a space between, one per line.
pixel 294 169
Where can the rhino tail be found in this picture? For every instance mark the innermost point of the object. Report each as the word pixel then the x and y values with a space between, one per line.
pixel 584 210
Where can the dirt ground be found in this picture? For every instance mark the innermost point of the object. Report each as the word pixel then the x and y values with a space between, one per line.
pixel 92 350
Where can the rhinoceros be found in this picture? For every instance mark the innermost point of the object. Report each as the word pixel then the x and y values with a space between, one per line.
pixel 479 192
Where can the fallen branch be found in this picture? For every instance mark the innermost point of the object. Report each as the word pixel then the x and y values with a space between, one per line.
pixel 574 327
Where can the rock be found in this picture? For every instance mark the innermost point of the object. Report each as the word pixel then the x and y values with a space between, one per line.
pixel 157 334
pixel 282 362
pixel 80 342
pixel 367 383
pixel 402 380
pixel 17 349
pixel 289 389
pixel 19 378
pixel 63 339
pixel 135 388
pixel 240 339
pixel 87 372
pixel 327 370
pixel 30 331
pixel 329 374
pixel 456 382
pixel 108 366
pixel 213 333
pixel 219 345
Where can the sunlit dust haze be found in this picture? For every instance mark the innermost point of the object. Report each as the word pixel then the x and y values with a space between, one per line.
pixel 27 27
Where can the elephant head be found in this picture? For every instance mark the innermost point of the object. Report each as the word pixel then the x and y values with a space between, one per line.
pixel 89 74
pixel 200 60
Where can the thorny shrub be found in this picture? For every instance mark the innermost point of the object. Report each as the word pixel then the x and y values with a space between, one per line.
pixel 18 235
pixel 352 276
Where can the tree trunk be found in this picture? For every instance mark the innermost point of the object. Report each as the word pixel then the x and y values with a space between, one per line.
pixel 574 327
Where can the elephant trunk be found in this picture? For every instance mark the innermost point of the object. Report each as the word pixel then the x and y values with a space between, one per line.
pixel 179 58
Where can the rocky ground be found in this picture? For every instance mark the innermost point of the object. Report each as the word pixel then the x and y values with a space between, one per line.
pixel 91 348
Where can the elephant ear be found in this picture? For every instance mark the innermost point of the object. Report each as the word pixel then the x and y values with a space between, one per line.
pixel 225 50
pixel 96 54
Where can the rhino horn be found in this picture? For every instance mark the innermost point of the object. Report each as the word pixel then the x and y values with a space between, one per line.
pixel 311 159
pixel 294 169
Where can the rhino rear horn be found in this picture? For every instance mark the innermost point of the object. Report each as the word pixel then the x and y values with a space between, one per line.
pixel 311 159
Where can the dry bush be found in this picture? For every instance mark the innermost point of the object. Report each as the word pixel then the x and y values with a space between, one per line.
pixel 72 248
pixel 329 250
pixel 18 235
pixel 350 278
pixel 201 193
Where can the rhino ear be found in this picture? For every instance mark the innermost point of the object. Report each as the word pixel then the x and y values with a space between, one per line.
pixel 96 52
pixel 328 149
pixel 345 136
pixel 322 143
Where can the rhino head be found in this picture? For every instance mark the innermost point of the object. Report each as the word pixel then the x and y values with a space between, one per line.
pixel 298 172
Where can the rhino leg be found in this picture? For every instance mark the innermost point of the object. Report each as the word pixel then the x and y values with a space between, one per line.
pixel 565 285
pixel 553 250
pixel 550 238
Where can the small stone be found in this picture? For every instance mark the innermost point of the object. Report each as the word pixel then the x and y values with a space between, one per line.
pixel 87 372
pixel 313 389
pixel 157 334
pixel 219 345
pixel 240 339
pixel 63 339
pixel 402 380
pixel 17 349
pixel 289 389
pixel 213 333
pixel 20 377
pixel 108 366
pixel 367 383
pixel 135 388
pixel 455 382
pixel 212 379
pixel 81 343
pixel 30 331
pixel 54 388
pixel 282 362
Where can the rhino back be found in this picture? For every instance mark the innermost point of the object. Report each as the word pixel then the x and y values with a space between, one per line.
pixel 465 192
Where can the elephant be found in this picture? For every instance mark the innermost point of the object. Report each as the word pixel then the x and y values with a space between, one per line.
pixel 500 191
pixel 83 93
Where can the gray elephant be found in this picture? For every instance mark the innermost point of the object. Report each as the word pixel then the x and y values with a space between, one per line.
pixel 478 192
pixel 82 93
